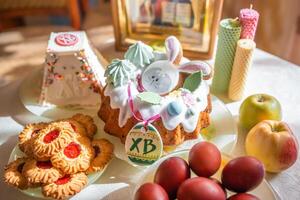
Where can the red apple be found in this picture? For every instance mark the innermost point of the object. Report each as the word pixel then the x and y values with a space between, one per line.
pixel 204 159
pixel 171 173
pixel 200 188
pixel 273 143
pixel 151 191
pixel 243 196
pixel 242 174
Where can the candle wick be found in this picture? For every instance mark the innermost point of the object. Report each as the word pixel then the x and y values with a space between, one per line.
pixel 234 22
pixel 251 6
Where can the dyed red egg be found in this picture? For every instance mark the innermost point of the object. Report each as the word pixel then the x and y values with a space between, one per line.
pixel 171 173
pixel 205 159
pixel 220 184
pixel 243 174
pixel 200 188
pixel 151 191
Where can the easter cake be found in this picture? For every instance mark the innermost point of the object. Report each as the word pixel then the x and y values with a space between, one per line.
pixel 161 88
pixel 72 72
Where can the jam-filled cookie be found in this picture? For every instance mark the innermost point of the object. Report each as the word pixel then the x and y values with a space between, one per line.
pixel 77 127
pixel 26 136
pixel 13 174
pixel 52 139
pixel 88 123
pixel 75 157
pixel 40 172
pixel 103 153
pixel 66 186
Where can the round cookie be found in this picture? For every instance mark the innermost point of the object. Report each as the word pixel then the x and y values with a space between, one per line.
pixel 40 172
pixel 87 122
pixel 52 139
pixel 27 135
pixel 74 157
pixel 77 127
pixel 13 174
pixel 65 186
pixel 103 154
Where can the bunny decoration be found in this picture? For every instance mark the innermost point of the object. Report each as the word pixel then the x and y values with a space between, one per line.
pixel 162 76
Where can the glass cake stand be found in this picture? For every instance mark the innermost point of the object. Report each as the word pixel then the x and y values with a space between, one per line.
pixel 222 131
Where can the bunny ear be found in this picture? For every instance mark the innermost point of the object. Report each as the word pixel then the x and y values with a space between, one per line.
pixel 173 49
pixel 197 65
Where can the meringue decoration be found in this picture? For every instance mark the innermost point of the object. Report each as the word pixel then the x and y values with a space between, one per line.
pixel 140 54
pixel 119 72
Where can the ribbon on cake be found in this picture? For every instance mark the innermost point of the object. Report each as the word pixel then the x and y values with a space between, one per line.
pixel 140 119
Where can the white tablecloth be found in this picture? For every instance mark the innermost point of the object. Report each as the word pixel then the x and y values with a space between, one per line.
pixel 269 74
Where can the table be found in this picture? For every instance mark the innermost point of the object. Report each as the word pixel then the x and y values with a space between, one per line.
pixel 269 74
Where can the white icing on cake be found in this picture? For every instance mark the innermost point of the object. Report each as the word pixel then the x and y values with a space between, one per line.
pixel 119 100
pixel 72 73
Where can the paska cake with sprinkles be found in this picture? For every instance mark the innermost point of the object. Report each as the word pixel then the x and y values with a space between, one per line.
pixel 72 72
pixel 168 86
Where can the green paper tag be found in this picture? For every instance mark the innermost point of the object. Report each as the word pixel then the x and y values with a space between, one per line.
pixel 193 81
pixel 150 97
pixel 143 147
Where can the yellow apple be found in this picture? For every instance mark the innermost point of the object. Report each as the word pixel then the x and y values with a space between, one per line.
pixel 259 107
pixel 274 144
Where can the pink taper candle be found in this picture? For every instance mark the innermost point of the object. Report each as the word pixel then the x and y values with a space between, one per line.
pixel 248 19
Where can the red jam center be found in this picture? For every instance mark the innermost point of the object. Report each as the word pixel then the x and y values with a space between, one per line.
pixel 35 132
pixel 65 179
pixel 72 150
pixel 97 150
pixel 44 164
pixel 52 135
pixel 20 167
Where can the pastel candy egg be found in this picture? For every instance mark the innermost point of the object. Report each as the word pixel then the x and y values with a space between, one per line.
pixel 174 108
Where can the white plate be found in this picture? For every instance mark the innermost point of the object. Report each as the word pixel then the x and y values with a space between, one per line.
pixel 222 131
pixel 264 191
pixel 37 192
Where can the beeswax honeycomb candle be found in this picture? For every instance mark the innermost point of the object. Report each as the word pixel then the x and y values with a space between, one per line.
pixel 240 69
pixel 249 19
pixel 229 34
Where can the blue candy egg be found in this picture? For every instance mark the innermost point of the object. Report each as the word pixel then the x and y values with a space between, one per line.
pixel 174 108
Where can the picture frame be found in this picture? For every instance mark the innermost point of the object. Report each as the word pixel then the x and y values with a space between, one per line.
pixel 193 22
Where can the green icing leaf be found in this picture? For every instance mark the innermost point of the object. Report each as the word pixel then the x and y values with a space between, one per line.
pixel 150 97
pixel 193 81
